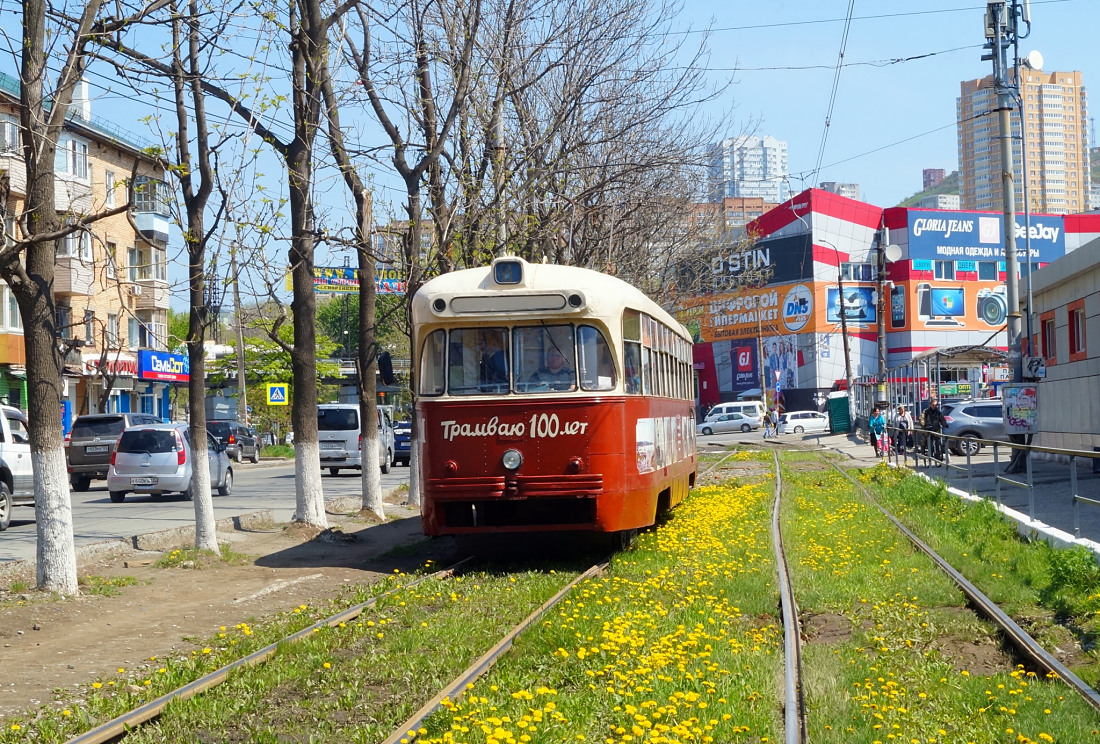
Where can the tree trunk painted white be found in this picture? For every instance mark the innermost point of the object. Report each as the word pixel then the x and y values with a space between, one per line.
pixel 206 533
pixel 372 477
pixel 309 494
pixel 56 552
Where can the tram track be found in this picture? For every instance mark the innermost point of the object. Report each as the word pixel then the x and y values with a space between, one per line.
pixel 1013 636
pixel 121 726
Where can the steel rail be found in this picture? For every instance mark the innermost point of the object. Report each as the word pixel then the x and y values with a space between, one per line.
pixel 122 725
pixel 407 732
pixel 794 711
pixel 1019 638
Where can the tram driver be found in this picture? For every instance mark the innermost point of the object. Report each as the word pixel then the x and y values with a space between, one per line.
pixel 493 369
pixel 555 373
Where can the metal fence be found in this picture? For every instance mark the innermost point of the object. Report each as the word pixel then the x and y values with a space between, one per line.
pixel 933 449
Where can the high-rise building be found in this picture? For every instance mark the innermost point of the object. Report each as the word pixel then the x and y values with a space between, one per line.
pixel 749 167
pixel 847 190
pixel 1056 139
pixel 933 177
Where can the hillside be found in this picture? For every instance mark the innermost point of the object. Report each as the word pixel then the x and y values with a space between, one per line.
pixel 949 185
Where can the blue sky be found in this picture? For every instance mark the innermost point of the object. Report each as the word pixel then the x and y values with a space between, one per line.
pixel 876 105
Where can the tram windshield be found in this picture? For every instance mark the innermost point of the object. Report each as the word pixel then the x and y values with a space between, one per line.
pixel 527 359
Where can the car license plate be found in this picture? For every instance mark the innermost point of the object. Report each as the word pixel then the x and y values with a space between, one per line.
pixel 331 445
pixel 143 481
pixel 96 448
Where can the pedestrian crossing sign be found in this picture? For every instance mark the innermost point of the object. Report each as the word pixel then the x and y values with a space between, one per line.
pixel 277 394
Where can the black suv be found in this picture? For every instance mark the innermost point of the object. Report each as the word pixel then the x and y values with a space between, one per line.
pixel 240 441
pixel 88 446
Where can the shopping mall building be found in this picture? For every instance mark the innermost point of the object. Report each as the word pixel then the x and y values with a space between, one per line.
pixel 944 290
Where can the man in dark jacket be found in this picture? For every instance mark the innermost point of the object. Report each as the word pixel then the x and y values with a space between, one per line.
pixel 934 422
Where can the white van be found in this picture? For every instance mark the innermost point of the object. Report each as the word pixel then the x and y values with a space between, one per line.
pixel 339 441
pixel 751 408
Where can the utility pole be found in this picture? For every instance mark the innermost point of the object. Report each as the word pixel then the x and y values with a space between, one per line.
pixel 242 387
pixel 1000 34
pixel 880 270
pixel 847 350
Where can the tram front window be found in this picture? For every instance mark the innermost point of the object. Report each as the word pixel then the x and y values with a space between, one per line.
pixel 477 361
pixel 545 359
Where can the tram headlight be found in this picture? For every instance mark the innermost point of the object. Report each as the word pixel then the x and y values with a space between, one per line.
pixel 512 459
pixel 508 271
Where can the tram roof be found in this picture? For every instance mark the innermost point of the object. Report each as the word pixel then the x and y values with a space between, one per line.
pixel 604 295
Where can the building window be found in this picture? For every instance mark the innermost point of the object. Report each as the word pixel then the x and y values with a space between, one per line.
pixel 112 253
pixel 9 136
pixel 858 272
pixel 139 334
pixel 150 195
pixel 1076 313
pixel 1049 349
pixel 113 340
pixel 138 261
pixel 987 271
pixel 944 269
pixel 109 185
pixel 76 158
pixel 77 245
pixel 14 319
pixel 89 327
pixel 64 322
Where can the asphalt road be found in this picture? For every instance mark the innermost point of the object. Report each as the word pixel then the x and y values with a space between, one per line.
pixel 267 485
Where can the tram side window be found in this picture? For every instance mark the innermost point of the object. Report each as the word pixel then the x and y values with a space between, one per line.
pixel 632 367
pixel 432 373
pixel 597 369
pixel 544 359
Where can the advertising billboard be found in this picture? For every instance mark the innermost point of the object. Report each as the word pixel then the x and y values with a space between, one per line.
pixel 160 365
pixel 344 280
pixel 857 306
pixel 962 236
pixel 745 374
pixel 946 305
pixel 787 308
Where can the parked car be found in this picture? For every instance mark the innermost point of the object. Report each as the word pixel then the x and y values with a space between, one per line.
pixel 240 441
pixel 803 422
pixel 728 422
pixel 340 437
pixel 402 442
pixel 16 475
pixel 88 446
pixel 978 421
pixel 157 459
pixel 750 408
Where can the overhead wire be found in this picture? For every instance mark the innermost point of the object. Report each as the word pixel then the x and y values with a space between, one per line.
pixel 836 85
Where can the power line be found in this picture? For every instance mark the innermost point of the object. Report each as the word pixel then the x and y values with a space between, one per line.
pixel 836 84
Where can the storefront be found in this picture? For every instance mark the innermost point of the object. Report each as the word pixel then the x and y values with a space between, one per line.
pixel 157 372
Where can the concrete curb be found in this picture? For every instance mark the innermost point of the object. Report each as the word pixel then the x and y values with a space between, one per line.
pixel 151 541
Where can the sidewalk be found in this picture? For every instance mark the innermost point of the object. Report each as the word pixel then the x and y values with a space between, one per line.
pixel 1050 511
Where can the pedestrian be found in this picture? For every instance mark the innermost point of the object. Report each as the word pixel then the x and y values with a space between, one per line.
pixel 934 422
pixel 903 422
pixel 876 425
pixel 767 423
pixel 773 419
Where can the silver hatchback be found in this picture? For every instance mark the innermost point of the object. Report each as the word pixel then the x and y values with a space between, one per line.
pixel 978 421
pixel 157 459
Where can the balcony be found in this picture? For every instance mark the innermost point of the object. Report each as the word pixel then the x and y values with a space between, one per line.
pixel 153 226
pixel 73 277
pixel 150 294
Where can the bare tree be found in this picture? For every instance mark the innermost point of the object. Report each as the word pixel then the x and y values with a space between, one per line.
pixel 367 347
pixel 419 103
pixel 42 115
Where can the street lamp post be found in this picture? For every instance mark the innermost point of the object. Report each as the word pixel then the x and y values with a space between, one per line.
pixel 844 334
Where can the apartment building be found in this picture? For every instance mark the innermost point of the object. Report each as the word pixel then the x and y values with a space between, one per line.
pixel 847 190
pixel 753 167
pixel 1056 139
pixel 111 281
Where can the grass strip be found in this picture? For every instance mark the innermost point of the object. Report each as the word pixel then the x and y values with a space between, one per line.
pixel 893 653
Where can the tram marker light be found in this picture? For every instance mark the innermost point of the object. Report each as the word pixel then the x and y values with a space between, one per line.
pixel 508 271
pixel 512 459
pixel 439 304
pixel 576 300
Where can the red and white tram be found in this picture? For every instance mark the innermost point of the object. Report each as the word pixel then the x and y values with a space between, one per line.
pixel 550 398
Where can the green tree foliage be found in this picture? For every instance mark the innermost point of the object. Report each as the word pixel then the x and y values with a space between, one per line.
pixel 341 313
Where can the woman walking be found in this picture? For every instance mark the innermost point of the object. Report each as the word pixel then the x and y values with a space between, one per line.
pixel 877 427
pixel 903 421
